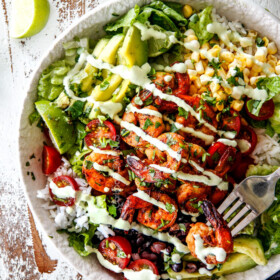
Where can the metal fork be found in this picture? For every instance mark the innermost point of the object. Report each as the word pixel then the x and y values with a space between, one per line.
pixel 256 192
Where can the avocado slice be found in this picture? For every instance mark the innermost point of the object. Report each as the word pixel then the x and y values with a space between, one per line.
pixel 86 84
pixel 104 91
pixel 122 91
pixel 62 131
pixel 134 51
pixel 236 262
pixel 109 53
pixel 252 247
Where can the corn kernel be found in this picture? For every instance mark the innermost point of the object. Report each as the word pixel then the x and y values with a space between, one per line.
pixel 199 67
pixel 272 63
pixel 256 68
pixel 277 69
pixel 187 11
pixel 214 87
pixel 187 56
pixel 202 89
pixel 193 90
pixel 227 56
pixel 227 90
pixel 271 48
pixel 197 83
pixel 195 56
pixel 272 57
pixel 222 73
pixel 252 33
pixel 237 105
pixel 266 41
pixel 215 51
pixel 189 32
pixel 192 74
pixel 209 71
pixel 204 79
pixel 261 54
pixel 249 62
pixel 189 64
pixel 205 63
pixel 220 95
pixel 191 38
pixel 205 46
pixel 246 73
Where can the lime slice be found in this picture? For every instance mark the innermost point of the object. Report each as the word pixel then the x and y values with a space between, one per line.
pixel 28 17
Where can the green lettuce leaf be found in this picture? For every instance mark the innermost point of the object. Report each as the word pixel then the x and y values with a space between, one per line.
pixel 125 21
pixel 275 119
pixel 199 25
pixel 79 241
pixel 171 13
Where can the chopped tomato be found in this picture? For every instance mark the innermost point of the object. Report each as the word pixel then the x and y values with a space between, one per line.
pixel 266 111
pixel 140 264
pixel 215 151
pixel 98 132
pixel 51 160
pixel 62 182
pixel 117 250
pixel 248 135
pixel 241 166
pixel 232 122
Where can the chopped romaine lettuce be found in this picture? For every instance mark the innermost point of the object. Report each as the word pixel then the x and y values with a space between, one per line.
pixel 170 12
pixel 199 25
pixel 275 119
pixel 125 21
pixel 79 241
pixel 262 170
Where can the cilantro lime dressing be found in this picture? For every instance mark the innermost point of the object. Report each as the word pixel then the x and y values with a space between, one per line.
pixel 144 196
pixel 149 32
pixel 65 192
pixel 105 152
pixel 133 109
pixel 154 141
pixel 204 271
pixel 111 173
pixel 202 252
pixel 167 78
pixel 98 215
pixel 128 273
pixel 208 139
pixel 176 258
pixel 108 108
pixel 228 142
pixel 243 145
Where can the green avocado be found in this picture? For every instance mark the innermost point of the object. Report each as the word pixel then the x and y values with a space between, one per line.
pixel 104 91
pixel 134 51
pixel 236 262
pixel 119 96
pixel 62 131
pixel 86 84
pixel 252 247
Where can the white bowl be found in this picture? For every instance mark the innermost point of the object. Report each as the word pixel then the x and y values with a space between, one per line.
pixel 31 139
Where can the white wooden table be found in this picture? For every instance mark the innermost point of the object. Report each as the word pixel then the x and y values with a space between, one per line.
pixel 24 253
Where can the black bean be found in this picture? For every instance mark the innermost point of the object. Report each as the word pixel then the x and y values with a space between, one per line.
pixel 149 256
pixel 147 244
pixel 169 249
pixel 156 247
pixel 140 240
pixel 177 267
pixel 191 267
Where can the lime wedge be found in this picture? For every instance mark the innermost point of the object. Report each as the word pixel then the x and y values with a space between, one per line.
pixel 28 17
pixel 158 46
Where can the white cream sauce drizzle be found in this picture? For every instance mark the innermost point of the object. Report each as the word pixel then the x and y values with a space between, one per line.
pixel 111 173
pixel 154 141
pixel 228 142
pixel 100 216
pixel 65 192
pixel 105 152
pixel 243 145
pixel 144 111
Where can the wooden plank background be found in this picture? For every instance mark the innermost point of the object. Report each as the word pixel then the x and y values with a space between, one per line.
pixel 24 252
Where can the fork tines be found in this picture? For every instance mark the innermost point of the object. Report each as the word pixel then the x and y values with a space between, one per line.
pixel 234 201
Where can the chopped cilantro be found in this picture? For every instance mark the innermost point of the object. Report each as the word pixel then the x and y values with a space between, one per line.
pixel 147 123
pixel 169 207
pixel 183 113
pixel 157 124
pixel 104 85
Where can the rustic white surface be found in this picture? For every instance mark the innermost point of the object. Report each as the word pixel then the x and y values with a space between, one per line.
pixel 17 60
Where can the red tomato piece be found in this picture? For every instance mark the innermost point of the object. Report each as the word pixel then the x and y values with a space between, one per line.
pixel 232 123
pixel 266 111
pixel 117 250
pixel 215 151
pixel 51 160
pixel 241 166
pixel 140 264
pixel 98 131
pixel 247 133
pixel 61 182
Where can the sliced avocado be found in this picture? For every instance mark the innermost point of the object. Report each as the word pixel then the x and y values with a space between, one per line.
pixel 95 112
pixel 86 84
pixel 104 91
pixel 109 53
pixel 189 258
pixel 62 131
pixel 134 51
pixel 122 91
pixel 250 246
pixel 63 101
pixel 235 263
